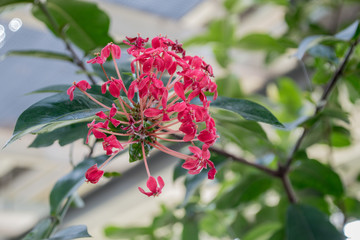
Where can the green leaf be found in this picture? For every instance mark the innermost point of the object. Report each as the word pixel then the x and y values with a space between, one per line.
pixel 84 23
pixel 255 142
pixel 261 41
pixel 325 52
pixel 229 86
pixel 290 96
pixel 57 111
pixel 41 54
pixel 308 43
pixel 340 137
pixel 112 174
pixel 315 175
pixel 209 223
pixel 190 230
pixel 68 184
pixel 247 190
pixel 64 135
pixel 73 232
pixel 10 2
pixel 127 232
pixel 135 151
pixel 352 207
pixel 350 32
pixel 247 109
pixel 262 231
pixel 304 222
pixel 40 230
pixel 225 118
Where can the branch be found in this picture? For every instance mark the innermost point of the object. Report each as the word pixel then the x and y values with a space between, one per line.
pixel 263 168
pixel 59 31
pixel 323 100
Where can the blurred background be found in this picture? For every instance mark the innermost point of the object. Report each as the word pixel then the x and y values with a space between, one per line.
pixel 27 175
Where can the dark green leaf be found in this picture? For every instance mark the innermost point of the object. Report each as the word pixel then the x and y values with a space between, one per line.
pixel 262 231
pixel 85 24
pixel 135 151
pixel 315 175
pixel 57 111
pixel 68 184
pixel 325 52
pixel 10 2
pixel 127 233
pixel 247 109
pixel 239 226
pixel 73 232
pixel 40 230
pixel 112 174
pixel 315 199
pixel 350 32
pixel 64 135
pixel 190 230
pixel 226 118
pixel 304 222
pixel 41 54
pixel 278 235
pixel 340 137
pixel 245 191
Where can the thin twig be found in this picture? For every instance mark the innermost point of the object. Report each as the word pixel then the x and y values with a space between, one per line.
pixel 59 31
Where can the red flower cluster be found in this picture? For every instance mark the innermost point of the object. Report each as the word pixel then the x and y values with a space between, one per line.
pixel 153 108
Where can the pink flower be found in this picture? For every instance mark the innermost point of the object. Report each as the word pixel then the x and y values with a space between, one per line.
pixel 93 174
pixel 157 104
pixel 112 49
pixel 115 86
pixel 199 161
pixel 153 186
pixel 110 143
pixel 82 85
pixel 93 128
pixel 110 118
pixel 98 59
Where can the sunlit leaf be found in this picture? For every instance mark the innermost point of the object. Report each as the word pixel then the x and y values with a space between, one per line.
pixel 41 54
pixel 350 32
pixel 57 111
pixel 73 232
pixel 127 232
